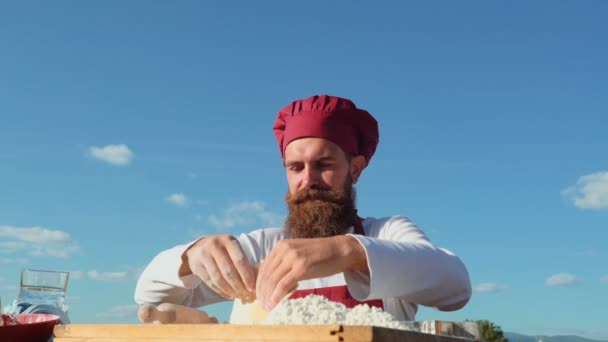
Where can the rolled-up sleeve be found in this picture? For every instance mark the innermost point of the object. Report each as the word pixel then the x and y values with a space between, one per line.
pixel 404 264
pixel 160 282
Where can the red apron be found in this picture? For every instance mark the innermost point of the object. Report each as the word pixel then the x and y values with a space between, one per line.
pixel 340 294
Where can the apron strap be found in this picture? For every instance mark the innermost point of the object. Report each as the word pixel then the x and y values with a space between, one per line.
pixel 359 225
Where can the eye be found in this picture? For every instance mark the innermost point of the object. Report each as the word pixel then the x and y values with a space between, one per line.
pixel 295 168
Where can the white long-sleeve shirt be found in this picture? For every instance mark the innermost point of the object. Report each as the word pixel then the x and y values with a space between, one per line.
pixel 406 270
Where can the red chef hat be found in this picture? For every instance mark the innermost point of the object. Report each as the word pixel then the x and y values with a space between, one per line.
pixel 329 117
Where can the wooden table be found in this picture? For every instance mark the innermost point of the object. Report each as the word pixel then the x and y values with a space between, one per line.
pixel 227 332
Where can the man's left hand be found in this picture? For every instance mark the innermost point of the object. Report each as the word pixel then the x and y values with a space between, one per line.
pixel 299 259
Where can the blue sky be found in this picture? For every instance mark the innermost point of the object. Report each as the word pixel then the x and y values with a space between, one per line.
pixel 129 127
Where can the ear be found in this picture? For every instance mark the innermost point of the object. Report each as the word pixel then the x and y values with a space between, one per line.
pixel 357 164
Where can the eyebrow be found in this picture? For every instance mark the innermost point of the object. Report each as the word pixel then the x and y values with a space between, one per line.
pixel 320 160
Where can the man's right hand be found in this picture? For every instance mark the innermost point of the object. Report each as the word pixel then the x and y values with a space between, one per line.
pixel 219 262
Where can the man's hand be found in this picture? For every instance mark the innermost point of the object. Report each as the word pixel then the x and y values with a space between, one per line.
pixel 299 259
pixel 167 313
pixel 221 264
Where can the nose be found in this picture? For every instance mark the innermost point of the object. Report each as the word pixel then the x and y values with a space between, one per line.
pixel 310 178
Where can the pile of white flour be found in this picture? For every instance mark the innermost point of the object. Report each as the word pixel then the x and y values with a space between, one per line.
pixel 315 309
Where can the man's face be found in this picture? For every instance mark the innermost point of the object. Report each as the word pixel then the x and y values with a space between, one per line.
pixel 320 197
pixel 315 162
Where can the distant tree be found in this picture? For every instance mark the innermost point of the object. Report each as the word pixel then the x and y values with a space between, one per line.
pixel 490 331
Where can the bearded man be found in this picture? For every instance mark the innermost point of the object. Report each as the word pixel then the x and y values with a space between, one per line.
pixel 325 248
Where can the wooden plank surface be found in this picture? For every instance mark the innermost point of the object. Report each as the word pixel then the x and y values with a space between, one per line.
pixel 227 332
pixel 199 332
pixel 104 339
pixel 366 333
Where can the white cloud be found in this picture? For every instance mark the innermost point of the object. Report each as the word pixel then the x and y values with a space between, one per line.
pixel 99 276
pixel 134 271
pixel 13 261
pixel 604 279
pixel 245 214
pixel 562 280
pixel 107 276
pixel 120 311
pixel 76 275
pixel 114 154
pixel 178 199
pixel 590 191
pixel 8 247
pixel 490 287
pixel 38 241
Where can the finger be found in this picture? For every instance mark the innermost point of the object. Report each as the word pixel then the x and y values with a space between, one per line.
pixel 271 282
pixel 274 273
pixel 230 273
pixel 185 315
pixel 268 267
pixel 217 279
pixel 146 313
pixel 245 269
pixel 258 277
pixel 196 265
pixel 249 298
pixel 262 278
pixel 201 272
pixel 198 269
pixel 286 285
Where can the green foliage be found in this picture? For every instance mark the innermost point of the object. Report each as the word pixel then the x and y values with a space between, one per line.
pixel 490 331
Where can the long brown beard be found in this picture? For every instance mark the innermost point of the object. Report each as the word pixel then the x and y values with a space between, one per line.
pixel 316 213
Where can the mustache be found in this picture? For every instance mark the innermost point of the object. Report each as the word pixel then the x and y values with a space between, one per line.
pixel 316 194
